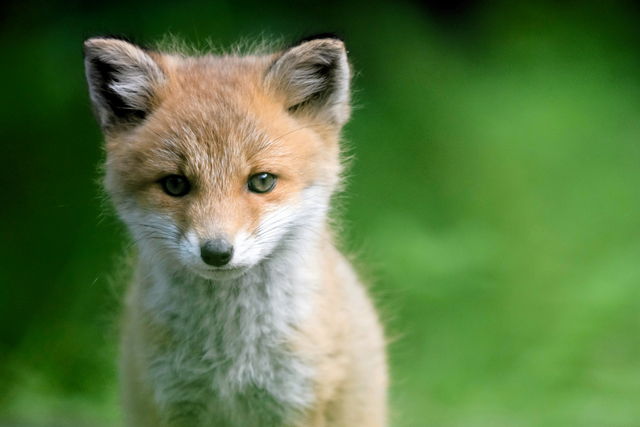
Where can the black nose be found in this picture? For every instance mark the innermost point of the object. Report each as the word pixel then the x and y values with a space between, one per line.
pixel 217 252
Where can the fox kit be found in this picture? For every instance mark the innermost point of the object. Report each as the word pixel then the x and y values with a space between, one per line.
pixel 240 312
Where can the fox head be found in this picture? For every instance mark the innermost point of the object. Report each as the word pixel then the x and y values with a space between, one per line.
pixel 217 162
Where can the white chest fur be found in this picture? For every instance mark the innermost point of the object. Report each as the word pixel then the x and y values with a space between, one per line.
pixel 227 360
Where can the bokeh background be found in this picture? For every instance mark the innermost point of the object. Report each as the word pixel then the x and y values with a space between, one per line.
pixel 493 202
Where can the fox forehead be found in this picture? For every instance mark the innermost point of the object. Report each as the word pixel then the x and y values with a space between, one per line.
pixel 216 121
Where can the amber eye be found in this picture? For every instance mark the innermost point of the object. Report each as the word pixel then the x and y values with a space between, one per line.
pixel 175 185
pixel 262 182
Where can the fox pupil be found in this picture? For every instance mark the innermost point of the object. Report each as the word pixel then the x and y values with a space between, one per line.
pixel 262 182
pixel 175 185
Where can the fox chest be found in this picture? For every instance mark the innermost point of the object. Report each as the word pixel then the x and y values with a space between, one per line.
pixel 229 366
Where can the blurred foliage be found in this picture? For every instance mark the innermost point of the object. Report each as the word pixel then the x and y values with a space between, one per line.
pixel 494 202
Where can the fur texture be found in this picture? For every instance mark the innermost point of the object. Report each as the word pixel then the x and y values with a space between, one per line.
pixel 284 334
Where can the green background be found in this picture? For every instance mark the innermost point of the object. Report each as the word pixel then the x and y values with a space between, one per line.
pixel 493 202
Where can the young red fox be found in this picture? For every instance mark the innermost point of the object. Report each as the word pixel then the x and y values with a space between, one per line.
pixel 241 312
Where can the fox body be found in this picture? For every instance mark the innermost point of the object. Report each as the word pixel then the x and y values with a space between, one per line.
pixel 241 312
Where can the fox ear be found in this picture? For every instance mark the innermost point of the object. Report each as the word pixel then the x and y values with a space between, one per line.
pixel 313 77
pixel 123 80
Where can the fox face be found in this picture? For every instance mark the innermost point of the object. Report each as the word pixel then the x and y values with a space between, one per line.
pixel 215 163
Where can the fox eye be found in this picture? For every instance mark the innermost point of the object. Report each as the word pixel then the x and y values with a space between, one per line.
pixel 262 182
pixel 175 185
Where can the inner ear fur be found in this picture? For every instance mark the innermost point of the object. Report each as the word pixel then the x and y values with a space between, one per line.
pixel 313 79
pixel 123 81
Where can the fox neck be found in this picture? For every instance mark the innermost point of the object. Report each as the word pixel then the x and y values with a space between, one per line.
pixel 281 282
pixel 235 330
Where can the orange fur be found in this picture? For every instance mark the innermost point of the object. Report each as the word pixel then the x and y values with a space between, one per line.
pixel 218 120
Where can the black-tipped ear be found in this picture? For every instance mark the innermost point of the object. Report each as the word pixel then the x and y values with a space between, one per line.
pixel 313 79
pixel 123 80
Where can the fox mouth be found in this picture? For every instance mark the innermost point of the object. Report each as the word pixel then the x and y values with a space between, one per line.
pixel 221 273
